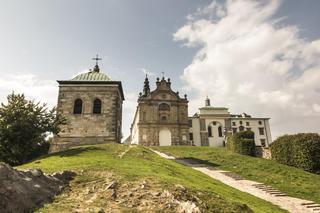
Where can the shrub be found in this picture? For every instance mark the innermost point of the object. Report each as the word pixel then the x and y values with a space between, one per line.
pixel 300 150
pixel 24 125
pixel 242 143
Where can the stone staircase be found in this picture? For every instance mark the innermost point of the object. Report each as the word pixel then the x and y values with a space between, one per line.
pixel 269 190
pixel 281 199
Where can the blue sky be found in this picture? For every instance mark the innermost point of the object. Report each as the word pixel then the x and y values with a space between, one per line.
pixel 42 41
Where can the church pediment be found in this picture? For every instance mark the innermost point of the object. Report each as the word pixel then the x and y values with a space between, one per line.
pixel 162 92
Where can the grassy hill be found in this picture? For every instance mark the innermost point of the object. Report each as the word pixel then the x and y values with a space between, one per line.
pixel 140 175
pixel 293 181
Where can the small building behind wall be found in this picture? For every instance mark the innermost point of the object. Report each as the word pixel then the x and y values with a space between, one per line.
pixel 211 126
pixel 161 117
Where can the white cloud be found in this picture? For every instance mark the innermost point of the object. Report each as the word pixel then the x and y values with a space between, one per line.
pixel 247 62
pixel 147 72
pixel 45 91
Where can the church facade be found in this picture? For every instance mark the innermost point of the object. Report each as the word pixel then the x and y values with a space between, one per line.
pixel 211 125
pixel 161 117
pixel 92 105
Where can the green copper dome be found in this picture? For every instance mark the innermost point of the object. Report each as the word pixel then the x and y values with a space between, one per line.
pixel 91 76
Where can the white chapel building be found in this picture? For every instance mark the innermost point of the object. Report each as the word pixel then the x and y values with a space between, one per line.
pixel 211 125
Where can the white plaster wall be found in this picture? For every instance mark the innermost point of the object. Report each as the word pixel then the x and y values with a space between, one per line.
pixel 213 111
pixel 254 125
pixel 215 141
pixel 218 141
pixel 267 125
pixel 195 129
pixel 135 130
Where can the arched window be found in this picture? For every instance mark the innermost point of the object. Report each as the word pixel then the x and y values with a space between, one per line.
pixel 163 118
pixel 77 108
pixel 209 131
pixel 97 106
pixel 220 131
pixel 241 128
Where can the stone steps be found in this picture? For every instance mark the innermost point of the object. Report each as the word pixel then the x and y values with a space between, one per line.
pixel 269 190
pixel 312 206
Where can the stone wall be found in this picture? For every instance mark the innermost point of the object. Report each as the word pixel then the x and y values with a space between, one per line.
pixel 149 135
pixel 88 128
pixel 263 152
pixel 161 109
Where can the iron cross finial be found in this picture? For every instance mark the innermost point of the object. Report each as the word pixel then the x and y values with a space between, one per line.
pixel 97 59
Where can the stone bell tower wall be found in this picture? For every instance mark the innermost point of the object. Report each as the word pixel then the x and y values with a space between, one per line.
pixel 89 128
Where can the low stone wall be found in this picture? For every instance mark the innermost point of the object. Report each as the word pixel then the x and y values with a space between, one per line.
pixel 63 143
pixel 263 152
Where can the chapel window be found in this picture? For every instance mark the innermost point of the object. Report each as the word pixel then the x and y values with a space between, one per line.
pixel 191 136
pixel 209 131
pixel 234 130
pixel 220 131
pixel 261 131
pixel 77 108
pixel 97 106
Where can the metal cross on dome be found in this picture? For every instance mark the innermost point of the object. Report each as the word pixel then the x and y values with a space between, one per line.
pixel 97 59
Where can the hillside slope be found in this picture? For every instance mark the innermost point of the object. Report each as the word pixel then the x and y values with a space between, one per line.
pixel 125 178
pixel 293 181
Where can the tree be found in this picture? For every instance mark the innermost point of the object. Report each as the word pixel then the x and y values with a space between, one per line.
pixel 24 125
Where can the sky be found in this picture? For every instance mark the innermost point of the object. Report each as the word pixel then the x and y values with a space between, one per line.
pixel 259 57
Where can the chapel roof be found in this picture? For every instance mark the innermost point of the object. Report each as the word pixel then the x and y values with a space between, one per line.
pixel 91 76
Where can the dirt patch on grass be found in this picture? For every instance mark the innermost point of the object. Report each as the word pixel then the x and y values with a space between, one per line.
pixel 104 192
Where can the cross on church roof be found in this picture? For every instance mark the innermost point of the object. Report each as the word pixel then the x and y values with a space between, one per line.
pixel 97 59
pixel 96 67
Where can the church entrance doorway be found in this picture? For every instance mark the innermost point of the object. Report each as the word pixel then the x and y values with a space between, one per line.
pixel 164 137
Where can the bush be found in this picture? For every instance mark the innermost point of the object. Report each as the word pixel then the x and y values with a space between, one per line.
pixel 299 150
pixel 24 125
pixel 242 143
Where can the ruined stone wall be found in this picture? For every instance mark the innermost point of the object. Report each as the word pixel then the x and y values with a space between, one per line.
pixel 263 152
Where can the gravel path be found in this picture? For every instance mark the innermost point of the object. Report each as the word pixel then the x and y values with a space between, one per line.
pixel 125 152
pixel 257 189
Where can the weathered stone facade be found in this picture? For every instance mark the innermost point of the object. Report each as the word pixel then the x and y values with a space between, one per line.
pixel 99 115
pixel 161 118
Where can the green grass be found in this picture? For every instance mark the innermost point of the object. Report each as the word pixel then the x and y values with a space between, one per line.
pixel 293 181
pixel 141 163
